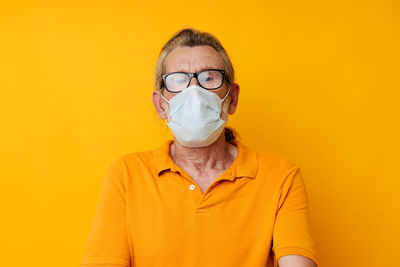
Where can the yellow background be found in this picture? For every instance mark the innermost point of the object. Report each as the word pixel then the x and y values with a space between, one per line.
pixel 319 84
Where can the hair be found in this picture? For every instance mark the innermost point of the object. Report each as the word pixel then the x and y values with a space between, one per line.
pixel 190 37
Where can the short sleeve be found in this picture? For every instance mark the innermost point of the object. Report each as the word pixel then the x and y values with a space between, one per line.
pixel 292 233
pixel 108 242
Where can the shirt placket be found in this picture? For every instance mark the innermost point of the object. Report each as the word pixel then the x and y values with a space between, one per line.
pixel 202 201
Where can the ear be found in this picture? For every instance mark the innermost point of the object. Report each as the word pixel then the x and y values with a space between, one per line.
pixel 234 98
pixel 158 104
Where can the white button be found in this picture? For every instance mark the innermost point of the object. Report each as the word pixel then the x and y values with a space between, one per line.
pixel 191 187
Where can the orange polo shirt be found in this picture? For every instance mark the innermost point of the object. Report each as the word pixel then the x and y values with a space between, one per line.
pixel 152 213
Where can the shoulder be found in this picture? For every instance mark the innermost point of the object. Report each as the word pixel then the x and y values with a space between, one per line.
pixel 284 171
pixel 132 160
pixel 136 159
pixel 274 165
pixel 268 158
pixel 276 160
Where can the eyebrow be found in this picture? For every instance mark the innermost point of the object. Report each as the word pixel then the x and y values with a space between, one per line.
pixel 201 69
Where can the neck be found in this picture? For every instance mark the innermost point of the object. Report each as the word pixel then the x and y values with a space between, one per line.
pixel 218 155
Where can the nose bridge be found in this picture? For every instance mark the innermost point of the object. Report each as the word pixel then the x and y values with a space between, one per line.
pixel 193 78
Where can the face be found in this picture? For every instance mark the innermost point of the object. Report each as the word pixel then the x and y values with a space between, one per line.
pixel 194 59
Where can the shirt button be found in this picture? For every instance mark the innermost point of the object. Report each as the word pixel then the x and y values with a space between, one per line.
pixel 191 187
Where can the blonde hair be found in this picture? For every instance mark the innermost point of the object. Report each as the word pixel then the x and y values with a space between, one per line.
pixel 191 37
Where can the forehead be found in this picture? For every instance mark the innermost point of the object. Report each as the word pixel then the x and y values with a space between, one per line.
pixel 193 59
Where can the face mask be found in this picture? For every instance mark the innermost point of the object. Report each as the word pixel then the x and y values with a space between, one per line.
pixel 194 116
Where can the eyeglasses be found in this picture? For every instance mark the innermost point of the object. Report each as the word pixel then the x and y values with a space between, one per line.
pixel 209 79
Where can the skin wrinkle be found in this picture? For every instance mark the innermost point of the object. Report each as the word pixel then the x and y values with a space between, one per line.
pixel 201 159
pixel 242 213
pixel 203 164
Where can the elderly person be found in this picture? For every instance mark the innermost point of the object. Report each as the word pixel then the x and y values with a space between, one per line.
pixel 204 198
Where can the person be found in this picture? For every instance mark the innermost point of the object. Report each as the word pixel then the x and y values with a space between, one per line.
pixel 203 198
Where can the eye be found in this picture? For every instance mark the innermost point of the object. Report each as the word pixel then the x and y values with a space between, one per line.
pixel 177 78
pixel 180 81
pixel 207 76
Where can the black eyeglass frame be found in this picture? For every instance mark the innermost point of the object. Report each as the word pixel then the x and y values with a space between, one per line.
pixel 191 75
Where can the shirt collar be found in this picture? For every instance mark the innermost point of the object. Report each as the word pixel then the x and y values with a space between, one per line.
pixel 245 164
pixel 162 159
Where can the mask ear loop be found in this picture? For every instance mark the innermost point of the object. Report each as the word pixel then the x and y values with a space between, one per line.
pixel 222 100
pixel 229 90
pixel 166 121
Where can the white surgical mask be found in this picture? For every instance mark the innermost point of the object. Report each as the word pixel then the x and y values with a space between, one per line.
pixel 194 116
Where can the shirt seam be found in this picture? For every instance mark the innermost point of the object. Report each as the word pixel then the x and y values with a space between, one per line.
pixel 292 247
pixel 104 264
pixel 313 253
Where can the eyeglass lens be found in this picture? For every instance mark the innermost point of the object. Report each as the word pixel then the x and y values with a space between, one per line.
pixel 210 79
